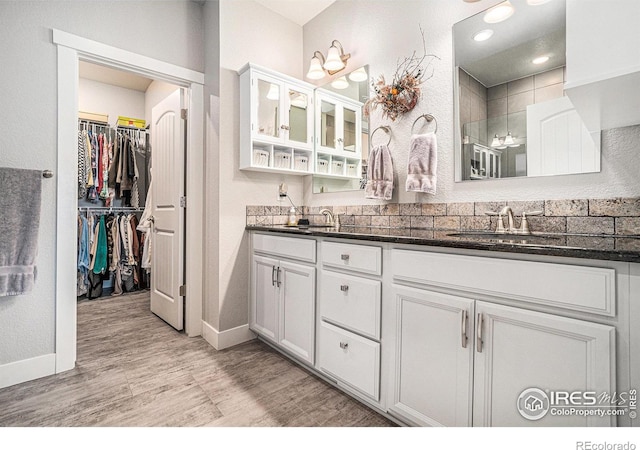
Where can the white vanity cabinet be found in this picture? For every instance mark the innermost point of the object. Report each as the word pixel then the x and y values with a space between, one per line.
pixel 604 89
pixel 338 136
pixel 283 281
pixel 276 122
pixel 349 329
pixel 460 361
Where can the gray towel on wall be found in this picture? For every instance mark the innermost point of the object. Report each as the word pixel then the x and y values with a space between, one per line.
pixel 423 164
pixel 20 193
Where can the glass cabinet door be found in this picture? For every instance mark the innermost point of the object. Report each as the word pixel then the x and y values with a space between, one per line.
pixel 349 129
pixel 268 103
pixel 298 116
pixel 328 125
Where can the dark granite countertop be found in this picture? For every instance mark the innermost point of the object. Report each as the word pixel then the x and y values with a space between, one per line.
pixel 603 247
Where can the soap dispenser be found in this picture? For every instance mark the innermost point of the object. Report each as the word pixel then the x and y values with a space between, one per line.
pixel 293 220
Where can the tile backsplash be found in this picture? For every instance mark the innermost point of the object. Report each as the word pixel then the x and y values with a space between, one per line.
pixel 616 216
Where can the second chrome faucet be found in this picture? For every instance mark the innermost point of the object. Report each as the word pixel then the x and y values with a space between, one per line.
pixel 511 228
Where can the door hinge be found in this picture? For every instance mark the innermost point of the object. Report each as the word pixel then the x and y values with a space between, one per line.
pixel 183 202
pixel 183 290
pixel 183 114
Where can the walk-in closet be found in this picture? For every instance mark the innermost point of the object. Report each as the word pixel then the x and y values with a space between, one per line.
pixel 115 173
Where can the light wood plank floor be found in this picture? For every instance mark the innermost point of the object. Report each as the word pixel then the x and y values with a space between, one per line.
pixel 134 370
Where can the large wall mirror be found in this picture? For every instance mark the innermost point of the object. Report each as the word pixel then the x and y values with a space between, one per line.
pixel 336 129
pixel 512 118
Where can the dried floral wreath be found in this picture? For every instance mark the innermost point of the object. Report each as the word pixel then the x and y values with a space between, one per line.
pixel 402 95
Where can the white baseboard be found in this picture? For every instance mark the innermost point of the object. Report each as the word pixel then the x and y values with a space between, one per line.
pixel 228 338
pixel 27 370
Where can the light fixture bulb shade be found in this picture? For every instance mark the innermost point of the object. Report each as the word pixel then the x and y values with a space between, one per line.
pixel 358 75
pixel 340 83
pixel 509 139
pixel 333 62
pixel 495 142
pixel 537 2
pixel 315 69
pixel 274 92
pixel 499 13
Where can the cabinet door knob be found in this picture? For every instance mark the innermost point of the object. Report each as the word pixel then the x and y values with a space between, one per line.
pixel 344 257
pixel 344 345
pixel 344 287
pixel 285 127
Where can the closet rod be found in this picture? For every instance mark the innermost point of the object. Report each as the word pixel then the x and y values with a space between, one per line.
pixel 109 208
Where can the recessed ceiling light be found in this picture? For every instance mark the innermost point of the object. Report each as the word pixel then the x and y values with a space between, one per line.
pixel 499 13
pixel 537 2
pixel 482 35
pixel 540 60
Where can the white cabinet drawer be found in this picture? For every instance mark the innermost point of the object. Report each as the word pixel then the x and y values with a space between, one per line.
pixel 301 249
pixel 357 258
pixel 351 302
pixel 577 288
pixel 352 359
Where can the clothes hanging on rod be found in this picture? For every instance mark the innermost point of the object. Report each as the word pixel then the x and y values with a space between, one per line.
pixel 109 247
pixel 108 163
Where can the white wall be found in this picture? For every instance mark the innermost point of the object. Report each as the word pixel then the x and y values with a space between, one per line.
pixel 378 33
pixel 167 30
pixel 102 98
pixel 249 32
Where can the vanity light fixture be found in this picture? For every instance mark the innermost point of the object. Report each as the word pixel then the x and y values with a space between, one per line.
pixel 537 2
pixel 336 61
pixel 482 35
pixel 496 141
pixel 340 83
pixel 540 60
pixel 358 75
pixel 509 141
pixel 499 13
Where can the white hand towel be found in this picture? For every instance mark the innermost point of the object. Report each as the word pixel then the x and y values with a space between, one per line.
pixel 423 164
pixel 379 174
pixel 20 193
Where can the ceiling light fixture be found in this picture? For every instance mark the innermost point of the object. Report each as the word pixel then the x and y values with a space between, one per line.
pixel 335 62
pixel 499 13
pixel 540 60
pixel 482 35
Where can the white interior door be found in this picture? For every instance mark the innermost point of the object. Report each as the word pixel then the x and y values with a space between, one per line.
pixel 168 150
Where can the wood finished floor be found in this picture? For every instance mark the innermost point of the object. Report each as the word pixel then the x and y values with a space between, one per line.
pixel 134 370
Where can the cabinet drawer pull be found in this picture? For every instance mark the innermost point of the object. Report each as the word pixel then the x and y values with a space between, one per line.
pixel 344 287
pixel 273 275
pixel 344 257
pixel 479 334
pixel 463 330
pixel 278 282
pixel 344 345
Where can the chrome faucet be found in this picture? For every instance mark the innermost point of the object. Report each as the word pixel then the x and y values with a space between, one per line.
pixel 511 225
pixel 329 221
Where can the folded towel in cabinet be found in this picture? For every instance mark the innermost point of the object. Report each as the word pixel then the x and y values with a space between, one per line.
pixel 20 194
pixel 423 164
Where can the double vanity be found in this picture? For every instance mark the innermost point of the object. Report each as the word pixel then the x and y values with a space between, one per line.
pixel 436 328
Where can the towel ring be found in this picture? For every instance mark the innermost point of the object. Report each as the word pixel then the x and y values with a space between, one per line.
pixel 384 128
pixel 429 118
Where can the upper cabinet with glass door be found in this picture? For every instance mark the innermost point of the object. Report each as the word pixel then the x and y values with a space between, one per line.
pixel 276 125
pixel 338 136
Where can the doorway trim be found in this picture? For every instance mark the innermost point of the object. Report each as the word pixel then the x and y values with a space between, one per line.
pixel 71 49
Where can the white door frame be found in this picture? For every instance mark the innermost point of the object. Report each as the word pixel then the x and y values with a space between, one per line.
pixel 71 49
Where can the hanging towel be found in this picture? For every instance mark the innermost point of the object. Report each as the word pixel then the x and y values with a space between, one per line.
pixel 423 163
pixel 379 174
pixel 21 191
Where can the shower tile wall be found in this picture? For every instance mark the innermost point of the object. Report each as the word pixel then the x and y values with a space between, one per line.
pixel 473 107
